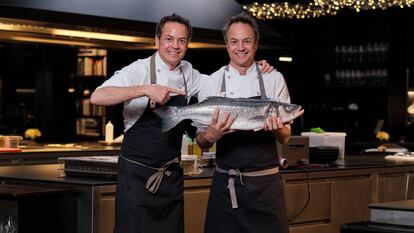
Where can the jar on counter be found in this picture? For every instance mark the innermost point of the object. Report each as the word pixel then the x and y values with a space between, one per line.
pixel 10 141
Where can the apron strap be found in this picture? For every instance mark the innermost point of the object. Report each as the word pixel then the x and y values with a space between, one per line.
pixel 261 84
pixel 259 77
pixel 185 84
pixel 234 173
pixel 154 181
pixel 223 82
pixel 154 79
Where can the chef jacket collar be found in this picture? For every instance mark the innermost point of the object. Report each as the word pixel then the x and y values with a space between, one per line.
pixel 250 71
pixel 160 64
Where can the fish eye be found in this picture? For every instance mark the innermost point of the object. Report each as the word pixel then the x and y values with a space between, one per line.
pixel 288 108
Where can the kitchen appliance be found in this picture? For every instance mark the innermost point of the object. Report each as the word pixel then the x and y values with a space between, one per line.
pixel 89 166
pixel 387 217
pixel 396 213
pixel 327 139
pixel 296 149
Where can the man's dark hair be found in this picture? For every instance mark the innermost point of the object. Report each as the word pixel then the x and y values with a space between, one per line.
pixel 173 18
pixel 241 18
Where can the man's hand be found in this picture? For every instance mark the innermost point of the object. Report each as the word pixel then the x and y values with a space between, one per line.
pixel 272 123
pixel 161 94
pixel 218 129
pixel 265 67
pixel 279 130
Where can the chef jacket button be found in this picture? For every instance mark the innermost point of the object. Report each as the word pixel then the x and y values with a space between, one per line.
pixel 231 93
pixel 229 77
pixel 258 93
pixel 158 70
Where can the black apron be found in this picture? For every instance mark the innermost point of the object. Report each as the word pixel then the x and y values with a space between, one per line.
pixel 261 203
pixel 145 147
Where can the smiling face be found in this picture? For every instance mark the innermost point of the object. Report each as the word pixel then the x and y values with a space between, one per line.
pixel 173 43
pixel 241 45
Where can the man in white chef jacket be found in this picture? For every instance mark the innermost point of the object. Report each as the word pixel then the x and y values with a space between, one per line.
pixel 247 192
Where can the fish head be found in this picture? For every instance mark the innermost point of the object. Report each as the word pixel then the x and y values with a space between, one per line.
pixel 286 112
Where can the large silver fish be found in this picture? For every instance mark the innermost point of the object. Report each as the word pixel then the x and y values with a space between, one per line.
pixel 249 114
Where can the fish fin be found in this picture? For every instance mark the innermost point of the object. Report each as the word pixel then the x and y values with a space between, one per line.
pixel 169 119
pixel 214 97
pixel 255 130
pixel 257 118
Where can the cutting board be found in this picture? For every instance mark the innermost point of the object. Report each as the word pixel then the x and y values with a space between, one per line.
pixel 5 149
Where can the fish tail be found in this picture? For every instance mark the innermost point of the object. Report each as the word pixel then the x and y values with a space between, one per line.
pixel 169 117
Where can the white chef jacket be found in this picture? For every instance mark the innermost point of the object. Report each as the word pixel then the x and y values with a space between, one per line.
pixel 244 86
pixel 138 73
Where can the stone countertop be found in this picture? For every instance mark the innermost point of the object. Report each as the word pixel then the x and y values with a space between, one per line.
pixel 61 150
pixel 51 172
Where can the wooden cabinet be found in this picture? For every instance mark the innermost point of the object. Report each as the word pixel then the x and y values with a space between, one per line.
pixel 196 194
pixel 319 206
pixel 350 199
pixel 104 209
pixel 395 187
pixel 336 197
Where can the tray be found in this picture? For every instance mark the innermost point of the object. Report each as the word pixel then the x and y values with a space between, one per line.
pixel 401 158
pixel 90 166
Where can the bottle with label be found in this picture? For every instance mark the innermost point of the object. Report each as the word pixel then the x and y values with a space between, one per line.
pixel 109 132
pixel 184 145
pixel 196 149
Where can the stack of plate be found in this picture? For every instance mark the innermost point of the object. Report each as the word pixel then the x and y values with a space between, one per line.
pixel 323 154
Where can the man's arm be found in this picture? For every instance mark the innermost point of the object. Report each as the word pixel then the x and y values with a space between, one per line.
pixel 115 95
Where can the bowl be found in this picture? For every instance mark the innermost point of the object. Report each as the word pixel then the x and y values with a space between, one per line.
pixel 323 154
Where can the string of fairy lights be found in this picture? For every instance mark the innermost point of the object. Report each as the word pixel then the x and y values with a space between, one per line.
pixel 318 8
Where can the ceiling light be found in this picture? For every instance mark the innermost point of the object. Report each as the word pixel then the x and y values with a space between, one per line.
pixel 38 32
pixel 285 59
pixel 317 8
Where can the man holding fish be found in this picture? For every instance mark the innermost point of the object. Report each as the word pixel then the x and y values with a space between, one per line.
pixel 247 191
pixel 149 196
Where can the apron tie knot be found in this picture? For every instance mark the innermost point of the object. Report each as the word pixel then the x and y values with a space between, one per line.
pixel 233 173
pixel 236 172
pixel 154 181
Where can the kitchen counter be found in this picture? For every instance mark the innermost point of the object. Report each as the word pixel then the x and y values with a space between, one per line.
pixel 338 194
pixel 52 172
pixel 43 154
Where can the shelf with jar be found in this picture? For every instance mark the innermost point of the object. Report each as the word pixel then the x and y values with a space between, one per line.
pixel 92 62
pixel 90 118
pixel 360 65
pixel 91 73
